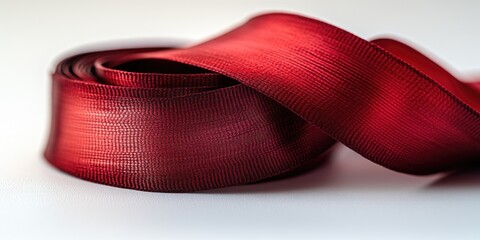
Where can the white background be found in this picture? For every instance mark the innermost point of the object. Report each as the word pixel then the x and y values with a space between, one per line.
pixel 348 198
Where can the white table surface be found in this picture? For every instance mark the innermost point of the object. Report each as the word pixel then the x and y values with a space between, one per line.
pixel 349 197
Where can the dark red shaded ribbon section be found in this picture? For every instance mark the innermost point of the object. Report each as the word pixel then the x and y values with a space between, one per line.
pixel 265 99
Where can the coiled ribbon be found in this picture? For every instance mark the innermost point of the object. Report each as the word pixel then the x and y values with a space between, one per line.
pixel 265 99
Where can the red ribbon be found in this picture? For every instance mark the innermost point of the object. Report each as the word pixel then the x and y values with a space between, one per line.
pixel 264 99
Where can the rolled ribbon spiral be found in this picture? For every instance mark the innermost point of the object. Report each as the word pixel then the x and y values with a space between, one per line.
pixel 267 98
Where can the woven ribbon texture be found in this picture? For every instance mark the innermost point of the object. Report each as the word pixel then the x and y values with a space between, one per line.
pixel 265 99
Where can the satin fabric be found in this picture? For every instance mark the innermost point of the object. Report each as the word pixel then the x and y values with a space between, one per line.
pixel 267 98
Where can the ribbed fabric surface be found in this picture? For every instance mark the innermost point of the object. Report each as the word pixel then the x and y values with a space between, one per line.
pixel 265 99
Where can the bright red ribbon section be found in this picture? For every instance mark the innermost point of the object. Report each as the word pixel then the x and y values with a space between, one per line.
pixel 265 99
